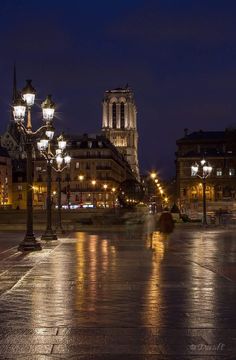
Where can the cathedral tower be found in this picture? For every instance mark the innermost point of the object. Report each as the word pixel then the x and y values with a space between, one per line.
pixel 119 124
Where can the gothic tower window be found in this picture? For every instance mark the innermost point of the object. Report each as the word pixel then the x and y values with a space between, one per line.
pixel 119 123
pixel 114 115
pixel 122 115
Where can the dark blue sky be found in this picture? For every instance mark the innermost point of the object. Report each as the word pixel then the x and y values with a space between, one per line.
pixel 178 56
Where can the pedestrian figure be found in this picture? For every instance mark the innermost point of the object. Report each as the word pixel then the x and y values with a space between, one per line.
pixel 166 222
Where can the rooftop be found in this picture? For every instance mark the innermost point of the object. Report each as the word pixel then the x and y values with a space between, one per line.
pixel 208 135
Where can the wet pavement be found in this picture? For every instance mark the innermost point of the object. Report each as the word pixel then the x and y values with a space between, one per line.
pixel 132 294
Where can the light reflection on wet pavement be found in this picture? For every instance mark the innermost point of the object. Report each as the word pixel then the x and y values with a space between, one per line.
pixel 132 294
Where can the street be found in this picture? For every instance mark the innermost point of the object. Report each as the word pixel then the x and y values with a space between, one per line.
pixel 133 294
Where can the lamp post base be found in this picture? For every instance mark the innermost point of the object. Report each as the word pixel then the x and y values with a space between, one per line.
pixel 60 230
pixel 49 235
pixel 29 244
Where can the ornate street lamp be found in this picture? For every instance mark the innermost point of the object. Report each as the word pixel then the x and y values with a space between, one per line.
pixel 62 161
pixel 24 101
pixel 202 170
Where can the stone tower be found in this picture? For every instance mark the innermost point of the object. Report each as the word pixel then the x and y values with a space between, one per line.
pixel 119 124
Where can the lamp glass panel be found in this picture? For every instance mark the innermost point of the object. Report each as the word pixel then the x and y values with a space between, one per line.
pixel 19 113
pixel 29 98
pixel 48 114
pixel 62 144
pixel 67 159
pixel 50 134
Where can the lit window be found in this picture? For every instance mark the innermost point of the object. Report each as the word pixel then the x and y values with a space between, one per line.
pixel 38 168
pixel 231 172
pixel 19 187
pixel 219 172
pixel 77 165
pixel 122 115
pixel 114 115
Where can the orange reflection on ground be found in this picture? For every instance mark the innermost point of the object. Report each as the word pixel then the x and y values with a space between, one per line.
pixel 152 315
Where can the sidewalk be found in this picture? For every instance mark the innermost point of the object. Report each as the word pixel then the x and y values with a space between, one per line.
pixel 119 296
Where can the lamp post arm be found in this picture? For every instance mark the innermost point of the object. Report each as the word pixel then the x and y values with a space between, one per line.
pixel 40 130
pixel 23 129
pixel 201 177
pixel 46 156
pixel 59 170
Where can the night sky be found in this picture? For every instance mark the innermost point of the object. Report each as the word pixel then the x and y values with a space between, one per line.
pixel 178 56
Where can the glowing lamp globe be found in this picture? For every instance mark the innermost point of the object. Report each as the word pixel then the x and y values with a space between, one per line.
pixel 67 159
pixel 28 93
pixel 43 144
pixel 50 132
pixel 19 108
pixel 59 159
pixel 48 108
pixel 62 144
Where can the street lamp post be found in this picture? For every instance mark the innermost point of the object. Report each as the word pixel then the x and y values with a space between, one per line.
pixel 205 169
pixel 66 159
pixel 59 224
pixel 49 234
pixel 59 157
pixel 93 182
pixel 81 178
pixel 67 179
pixel 113 196
pixel 105 186
pixel 24 101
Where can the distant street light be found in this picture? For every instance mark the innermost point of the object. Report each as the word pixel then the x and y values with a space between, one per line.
pixel 105 186
pixel 81 178
pixel 24 101
pixel 153 175
pixel 205 170
pixel 93 182
pixel 113 192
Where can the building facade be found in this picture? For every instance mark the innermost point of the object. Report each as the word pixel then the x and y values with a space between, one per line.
pixel 119 124
pixel 5 179
pixel 100 163
pixel 96 171
pixel 219 149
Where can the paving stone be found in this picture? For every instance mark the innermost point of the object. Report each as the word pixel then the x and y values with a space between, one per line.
pixel 111 296
pixel 25 349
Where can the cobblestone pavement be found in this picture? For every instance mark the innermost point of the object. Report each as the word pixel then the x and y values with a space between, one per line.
pixel 127 295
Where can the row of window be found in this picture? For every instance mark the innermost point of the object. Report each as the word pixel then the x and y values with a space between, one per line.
pixel 218 172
